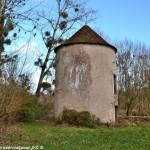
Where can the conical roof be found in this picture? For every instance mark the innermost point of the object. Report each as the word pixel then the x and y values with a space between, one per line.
pixel 86 36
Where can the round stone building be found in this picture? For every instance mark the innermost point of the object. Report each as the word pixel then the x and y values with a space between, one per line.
pixel 86 76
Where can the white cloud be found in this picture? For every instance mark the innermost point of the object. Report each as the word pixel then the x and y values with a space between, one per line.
pixel 24 47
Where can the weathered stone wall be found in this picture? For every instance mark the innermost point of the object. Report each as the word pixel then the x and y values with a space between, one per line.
pixel 85 80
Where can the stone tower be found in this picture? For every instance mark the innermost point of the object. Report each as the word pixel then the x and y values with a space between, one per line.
pixel 86 76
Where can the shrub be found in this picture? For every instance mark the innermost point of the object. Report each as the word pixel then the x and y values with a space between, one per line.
pixel 30 111
pixel 14 101
pixel 83 118
pixel 17 104
pixel 46 103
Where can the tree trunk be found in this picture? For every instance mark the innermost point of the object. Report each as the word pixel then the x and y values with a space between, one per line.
pixel 42 75
pixel 38 90
pixel 128 109
pixel 127 112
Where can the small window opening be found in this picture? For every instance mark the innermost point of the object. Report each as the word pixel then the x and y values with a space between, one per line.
pixel 116 114
pixel 115 85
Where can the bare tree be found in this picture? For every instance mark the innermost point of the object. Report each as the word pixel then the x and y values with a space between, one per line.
pixel 68 14
pixel 133 62
pixel 12 15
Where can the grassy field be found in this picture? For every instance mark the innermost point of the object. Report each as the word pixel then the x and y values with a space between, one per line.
pixel 135 137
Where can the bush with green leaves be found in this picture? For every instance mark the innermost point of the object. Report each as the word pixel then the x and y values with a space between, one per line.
pixel 83 118
pixel 16 103
pixel 30 111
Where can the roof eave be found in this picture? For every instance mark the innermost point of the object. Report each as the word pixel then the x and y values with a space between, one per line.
pixel 56 49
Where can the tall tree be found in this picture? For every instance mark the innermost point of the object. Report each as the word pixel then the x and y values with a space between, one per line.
pixel 68 14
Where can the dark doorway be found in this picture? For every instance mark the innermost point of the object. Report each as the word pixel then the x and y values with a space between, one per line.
pixel 116 114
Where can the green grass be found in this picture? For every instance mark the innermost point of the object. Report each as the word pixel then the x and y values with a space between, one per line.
pixel 71 138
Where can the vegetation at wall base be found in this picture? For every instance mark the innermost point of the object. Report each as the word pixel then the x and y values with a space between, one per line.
pixel 80 119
